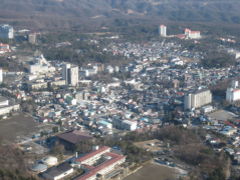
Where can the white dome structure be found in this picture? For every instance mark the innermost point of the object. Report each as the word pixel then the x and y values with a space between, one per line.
pixel 50 161
pixel 39 168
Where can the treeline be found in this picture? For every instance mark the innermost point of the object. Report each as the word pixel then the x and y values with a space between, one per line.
pixel 216 59
pixel 13 164
pixel 80 52
pixel 187 146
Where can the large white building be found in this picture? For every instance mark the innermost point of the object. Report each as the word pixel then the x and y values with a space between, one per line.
pixel 1 75
pixel 129 125
pixel 233 93
pixel 40 66
pixel 6 31
pixel 94 170
pixel 6 107
pixel 192 34
pixel 197 99
pixel 163 30
pixel 70 74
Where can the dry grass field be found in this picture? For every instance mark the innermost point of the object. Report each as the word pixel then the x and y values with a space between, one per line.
pixel 18 125
pixel 153 171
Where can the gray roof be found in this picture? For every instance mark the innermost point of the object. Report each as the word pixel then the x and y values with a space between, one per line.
pixel 58 170
pixel 3 98
pixel 39 167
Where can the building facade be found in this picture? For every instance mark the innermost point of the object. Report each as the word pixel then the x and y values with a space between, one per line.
pixel 70 74
pixel 6 31
pixel 192 34
pixel 163 30
pixel 197 99
pixel 233 93
pixel 1 75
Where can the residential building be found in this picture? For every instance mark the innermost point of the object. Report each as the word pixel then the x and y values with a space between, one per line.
pixel 163 30
pixel 4 48
pixel 1 75
pixel 197 99
pixel 32 38
pixel 192 34
pixel 3 101
pixel 70 74
pixel 57 83
pixel 9 108
pixel 6 31
pixel 233 93
pixel 129 125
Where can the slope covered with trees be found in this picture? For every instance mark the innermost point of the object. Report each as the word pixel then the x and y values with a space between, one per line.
pixel 75 13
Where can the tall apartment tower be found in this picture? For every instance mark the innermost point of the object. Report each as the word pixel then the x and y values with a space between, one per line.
pixel 1 76
pixel 6 31
pixel 32 38
pixel 233 93
pixel 197 99
pixel 234 84
pixel 163 30
pixel 70 74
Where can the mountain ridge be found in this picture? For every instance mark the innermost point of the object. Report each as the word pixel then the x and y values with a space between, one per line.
pixel 69 13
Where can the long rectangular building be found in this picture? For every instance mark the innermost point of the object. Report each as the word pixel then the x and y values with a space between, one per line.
pixel 197 99
pixel 93 171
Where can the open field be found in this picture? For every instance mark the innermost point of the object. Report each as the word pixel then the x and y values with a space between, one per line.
pixel 222 115
pixel 151 145
pixel 17 126
pixel 153 171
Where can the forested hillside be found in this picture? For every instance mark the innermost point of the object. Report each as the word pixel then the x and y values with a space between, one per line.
pixel 70 13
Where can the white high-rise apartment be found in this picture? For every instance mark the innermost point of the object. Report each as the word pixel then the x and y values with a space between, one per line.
pixel 233 93
pixel 197 99
pixel 70 74
pixel 1 76
pixel 6 31
pixel 74 76
pixel 163 30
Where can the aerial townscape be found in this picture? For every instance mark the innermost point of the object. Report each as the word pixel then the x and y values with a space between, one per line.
pixel 121 94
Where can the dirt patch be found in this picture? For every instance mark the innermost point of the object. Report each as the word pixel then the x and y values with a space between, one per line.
pixel 17 126
pixel 151 145
pixel 153 171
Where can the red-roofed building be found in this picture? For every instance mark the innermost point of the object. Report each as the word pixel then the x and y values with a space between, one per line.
pixel 90 158
pixel 180 36
pixel 192 34
pixel 4 48
pixel 112 161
